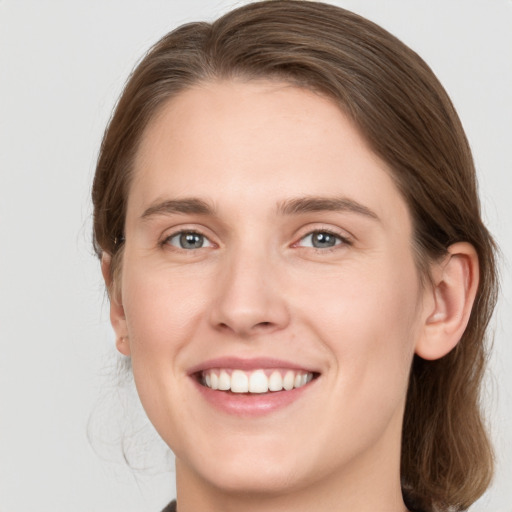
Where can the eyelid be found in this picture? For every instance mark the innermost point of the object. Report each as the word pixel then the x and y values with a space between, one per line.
pixel 176 231
pixel 344 237
pixel 338 240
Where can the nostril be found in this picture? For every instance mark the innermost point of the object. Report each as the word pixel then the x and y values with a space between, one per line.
pixel 263 326
pixel 255 328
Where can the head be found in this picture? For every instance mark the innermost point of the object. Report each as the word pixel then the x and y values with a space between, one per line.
pixel 386 95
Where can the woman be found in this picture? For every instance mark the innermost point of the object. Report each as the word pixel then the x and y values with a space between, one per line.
pixel 286 213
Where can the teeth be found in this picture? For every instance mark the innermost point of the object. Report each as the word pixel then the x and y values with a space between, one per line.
pixel 289 380
pixel 275 383
pixel 239 382
pixel 224 381
pixel 214 378
pixel 258 381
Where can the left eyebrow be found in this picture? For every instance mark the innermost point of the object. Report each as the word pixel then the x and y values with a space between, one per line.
pixel 308 204
pixel 185 206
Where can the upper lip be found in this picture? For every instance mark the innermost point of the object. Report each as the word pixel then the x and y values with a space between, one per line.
pixel 249 364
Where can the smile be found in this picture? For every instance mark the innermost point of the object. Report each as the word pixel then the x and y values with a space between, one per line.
pixel 253 387
pixel 257 381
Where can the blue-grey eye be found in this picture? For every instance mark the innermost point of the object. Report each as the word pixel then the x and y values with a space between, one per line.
pixel 189 240
pixel 321 240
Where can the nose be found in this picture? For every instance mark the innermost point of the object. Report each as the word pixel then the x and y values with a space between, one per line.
pixel 249 298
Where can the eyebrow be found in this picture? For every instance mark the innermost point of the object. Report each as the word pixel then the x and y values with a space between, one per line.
pixel 295 206
pixel 170 206
pixel 318 204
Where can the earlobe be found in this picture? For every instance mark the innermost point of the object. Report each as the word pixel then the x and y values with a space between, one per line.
pixel 117 316
pixel 123 345
pixel 454 287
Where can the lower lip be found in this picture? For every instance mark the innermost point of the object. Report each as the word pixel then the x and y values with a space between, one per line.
pixel 252 404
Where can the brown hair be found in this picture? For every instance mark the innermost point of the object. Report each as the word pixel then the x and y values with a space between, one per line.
pixel 406 116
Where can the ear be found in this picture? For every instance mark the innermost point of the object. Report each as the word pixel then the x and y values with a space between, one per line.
pixel 452 294
pixel 117 316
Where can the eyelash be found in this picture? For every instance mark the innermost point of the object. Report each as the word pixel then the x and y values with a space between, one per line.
pixel 167 239
pixel 341 240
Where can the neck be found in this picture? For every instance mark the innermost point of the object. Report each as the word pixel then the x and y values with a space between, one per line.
pixel 318 497
pixel 368 484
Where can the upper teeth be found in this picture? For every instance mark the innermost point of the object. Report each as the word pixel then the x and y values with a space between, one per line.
pixel 257 381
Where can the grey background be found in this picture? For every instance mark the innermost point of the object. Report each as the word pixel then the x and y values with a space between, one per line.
pixel 62 65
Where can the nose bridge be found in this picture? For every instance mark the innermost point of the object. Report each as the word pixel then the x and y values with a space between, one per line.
pixel 248 297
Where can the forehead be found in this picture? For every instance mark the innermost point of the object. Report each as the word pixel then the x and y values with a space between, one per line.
pixel 259 140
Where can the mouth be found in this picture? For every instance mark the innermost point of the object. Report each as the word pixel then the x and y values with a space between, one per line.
pixel 252 387
pixel 258 381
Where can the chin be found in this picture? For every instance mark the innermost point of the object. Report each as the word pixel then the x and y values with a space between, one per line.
pixel 259 478
pixel 268 468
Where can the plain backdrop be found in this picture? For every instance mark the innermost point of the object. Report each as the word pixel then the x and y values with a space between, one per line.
pixel 62 66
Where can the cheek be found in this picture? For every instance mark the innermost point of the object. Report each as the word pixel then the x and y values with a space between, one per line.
pixel 162 312
pixel 368 320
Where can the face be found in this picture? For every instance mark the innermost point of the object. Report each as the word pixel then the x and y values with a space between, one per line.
pixel 270 297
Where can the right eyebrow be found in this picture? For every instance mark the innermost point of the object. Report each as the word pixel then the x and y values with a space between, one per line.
pixel 301 205
pixel 170 206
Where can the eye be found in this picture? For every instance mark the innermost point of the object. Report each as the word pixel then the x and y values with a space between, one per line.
pixel 188 240
pixel 321 240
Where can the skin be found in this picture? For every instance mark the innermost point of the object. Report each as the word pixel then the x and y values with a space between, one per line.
pixel 355 312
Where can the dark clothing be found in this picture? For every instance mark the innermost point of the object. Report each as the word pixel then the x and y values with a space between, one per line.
pixel 171 507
